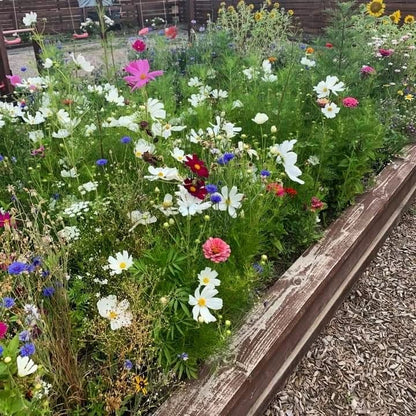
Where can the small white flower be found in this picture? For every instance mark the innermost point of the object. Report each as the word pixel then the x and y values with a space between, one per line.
pixel 203 301
pixel 116 312
pixel 156 109
pixel 165 174
pixel 30 19
pixel 195 136
pixel 189 204
pixel 82 63
pixel 230 201
pixel 122 261
pixel 250 73
pixel 143 218
pixel 178 154
pixel 48 63
pixel 36 136
pixel 288 158
pixel 167 207
pixel 165 130
pixel 194 82
pixel 71 173
pixel 141 147
pixel 196 99
pixel 313 160
pixel 34 120
pixel 237 104
pixel 308 62
pixel 61 134
pixel 219 94
pixel 69 233
pixel 208 277
pixel 267 66
pixel 113 96
pixel 330 110
pixel 260 118
pixel 25 366
pixel 331 84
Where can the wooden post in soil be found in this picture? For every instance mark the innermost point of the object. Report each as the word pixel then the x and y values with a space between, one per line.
pixel 5 87
pixel 190 15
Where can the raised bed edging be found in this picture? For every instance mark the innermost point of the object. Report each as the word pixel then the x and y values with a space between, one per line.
pixel 279 330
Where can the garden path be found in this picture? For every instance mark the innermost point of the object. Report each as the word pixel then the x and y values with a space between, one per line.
pixel 364 362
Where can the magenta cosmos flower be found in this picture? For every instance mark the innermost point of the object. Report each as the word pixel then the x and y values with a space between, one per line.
pixel 3 329
pixel 350 102
pixel 140 74
pixel 216 250
pixel 139 45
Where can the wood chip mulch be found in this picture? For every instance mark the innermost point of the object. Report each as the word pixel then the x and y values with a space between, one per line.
pixel 364 362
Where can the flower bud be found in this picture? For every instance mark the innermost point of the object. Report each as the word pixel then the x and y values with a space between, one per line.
pixel 273 129
pixel 264 257
pixel 7 359
pixel 227 323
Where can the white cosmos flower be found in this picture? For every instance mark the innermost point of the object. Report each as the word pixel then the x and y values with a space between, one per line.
pixel 116 312
pixel 30 19
pixel 230 201
pixel 195 136
pixel 167 206
pixel 178 154
pixel 230 129
pixel 208 277
pixel 287 158
pixel 164 174
pixel 330 110
pixel 122 261
pixel 331 84
pixel 143 218
pixel 165 130
pixel 260 118
pixel 34 120
pixel 250 73
pixel 219 94
pixel 61 134
pixel 237 104
pixel 63 117
pixel 82 63
pixel 196 99
pixel 71 173
pixel 36 135
pixel 269 78
pixel 156 109
pixel 267 66
pixel 48 63
pixel 194 82
pixel 203 301
pixel 142 146
pixel 25 366
pixel 113 96
pixel 308 62
pixel 189 204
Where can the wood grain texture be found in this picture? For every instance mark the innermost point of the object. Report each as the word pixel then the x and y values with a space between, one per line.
pixel 281 327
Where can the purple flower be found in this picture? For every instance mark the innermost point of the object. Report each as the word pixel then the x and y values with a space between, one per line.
pixel 24 336
pixel 1 158
pixel 45 273
pixel 48 291
pixel 265 173
pixel 184 356
pixel 215 199
pixel 125 140
pixel 1 350
pixel 101 162
pixel 128 365
pixel 258 268
pixel 37 261
pixel 27 350
pixel 8 302
pixel 23 69
pixel 17 267
pixel 211 189
pixel 225 158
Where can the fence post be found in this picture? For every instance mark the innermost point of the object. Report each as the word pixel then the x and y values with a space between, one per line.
pixel 5 86
pixel 190 15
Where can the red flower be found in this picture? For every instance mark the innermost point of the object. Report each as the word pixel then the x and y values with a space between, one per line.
pixel 316 204
pixel 196 187
pixel 385 52
pixel 3 329
pixel 329 45
pixel 171 32
pixel 197 166
pixel 292 192
pixel 139 46
pixel 276 188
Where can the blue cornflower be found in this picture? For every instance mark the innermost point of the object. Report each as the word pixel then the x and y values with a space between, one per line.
pixel 216 198
pixel 24 336
pixel 101 162
pixel 265 173
pixel 225 158
pixel 258 268
pixel 184 356
pixel 8 302
pixel 23 69
pixel 46 273
pixel 55 196
pixel 125 140
pixel 302 46
pixel 17 267
pixel 48 291
pixel 211 189
pixel 1 350
pixel 128 365
pixel 27 350
pixel 1 158
pixel 37 261
pixel 30 268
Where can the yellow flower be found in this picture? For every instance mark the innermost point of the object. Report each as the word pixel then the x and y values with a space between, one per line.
pixel 291 12
pixel 409 19
pixel 231 9
pixel 276 5
pixel 258 16
pixel 140 384
pixel 395 17
pixel 376 8
pixel 251 6
pixel 269 2
pixel 408 97
pixel 400 92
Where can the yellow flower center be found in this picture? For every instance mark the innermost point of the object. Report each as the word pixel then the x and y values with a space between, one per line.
pixel 167 204
pixel 205 280
pixel 143 76
pixel 122 265
pixel 197 167
pixel 138 154
pixel 161 174
pixel 112 315
pixel 376 7
pixel 228 201
pixel 202 302
pixel 192 189
pixel 167 127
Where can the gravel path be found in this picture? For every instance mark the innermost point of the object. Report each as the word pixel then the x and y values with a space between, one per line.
pixel 364 362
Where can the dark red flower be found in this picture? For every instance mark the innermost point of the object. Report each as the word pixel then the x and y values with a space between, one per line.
pixel 316 204
pixel 197 166
pixel 385 52
pixel 139 46
pixel 196 187
pixel 292 192
pixel 329 45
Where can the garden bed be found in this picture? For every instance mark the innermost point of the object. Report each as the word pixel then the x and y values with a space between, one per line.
pixel 282 326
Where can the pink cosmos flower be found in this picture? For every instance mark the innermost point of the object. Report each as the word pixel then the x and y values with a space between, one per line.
pixel 3 329
pixel 140 74
pixel 171 32
pixel 144 31
pixel 139 45
pixel 14 79
pixel 216 250
pixel 350 102
pixel 367 70
pixel 385 52
pixel 4 219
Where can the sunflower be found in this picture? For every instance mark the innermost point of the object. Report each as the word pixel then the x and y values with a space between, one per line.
pixel 258 16
pixel 395 17
pixel 376 8
pixel 409 19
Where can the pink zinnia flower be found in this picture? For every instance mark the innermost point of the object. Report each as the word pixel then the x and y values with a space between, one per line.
pixel 3 329
pixel 216 250
pixel 316 204
pixel 14 79
pixel 385 52
pixel 350 102
pixel 171 32
pixel 367 70
pixel 139 46
pixel 140 74
pixel 144 31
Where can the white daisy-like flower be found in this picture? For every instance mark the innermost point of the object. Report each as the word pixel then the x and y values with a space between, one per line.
pixel 330 110
pixel 30 19
pixel 143 218
pixel 48 63
pixel 178 154
pixel 142 146
pixel 156 109
pixel 61 134
pixel 71 173
pixel 82 63
pixel 166 207
pixel 113 96
pixel 165 130
pixel 250 73
pixel 285 156
pixel 219 94
pixel 203 301
pixel 237 104
pixel 189 204
pixel 117 312
pixel 164 174
pixel 208 277
pixel 194 82
pixel 34 120
pixel 195 136
pixel 308 62
pixel 25 366
pixel 260 118
pixel 36 136
pixel 331 84
pixel 196 99
pixel 122 261
pixel 230 201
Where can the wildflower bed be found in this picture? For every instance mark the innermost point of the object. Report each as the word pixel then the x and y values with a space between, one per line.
pixel 138 224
